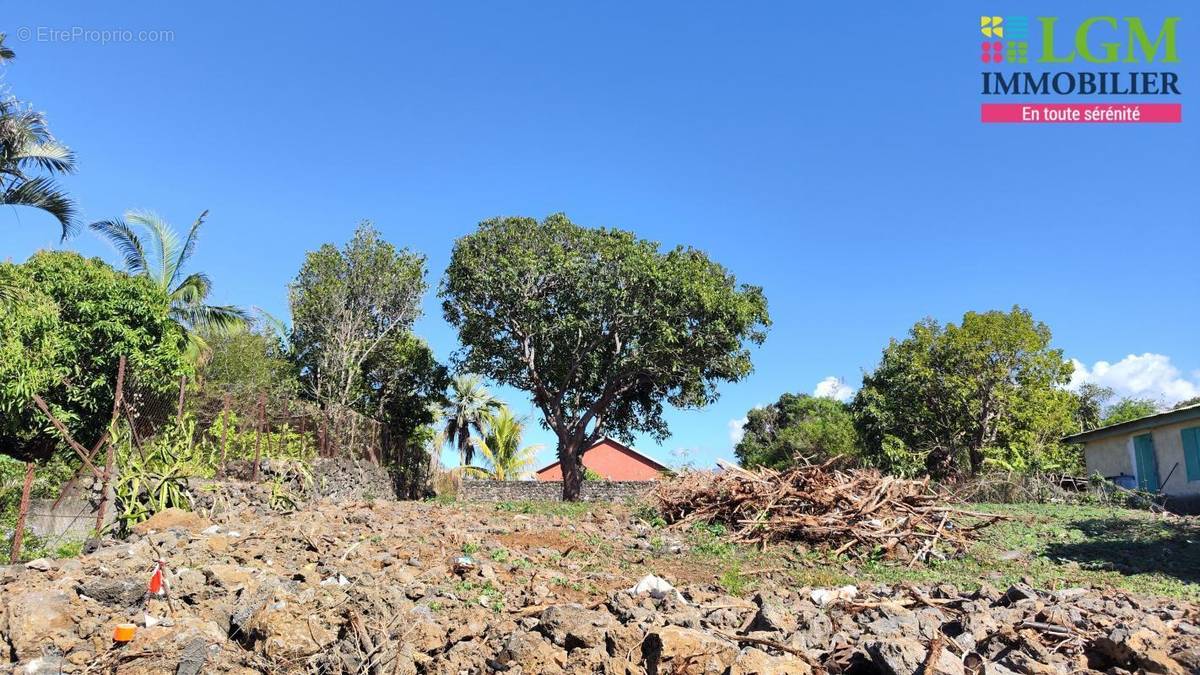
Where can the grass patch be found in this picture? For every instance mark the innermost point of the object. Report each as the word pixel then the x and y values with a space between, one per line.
pixel 732 580
pixel 709 540
pixel 547 508
pixel 1053 546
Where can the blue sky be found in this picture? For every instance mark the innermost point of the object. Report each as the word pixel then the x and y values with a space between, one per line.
pixel 831 154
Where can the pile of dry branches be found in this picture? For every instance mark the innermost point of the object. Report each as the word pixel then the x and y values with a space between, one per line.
pixel 856 511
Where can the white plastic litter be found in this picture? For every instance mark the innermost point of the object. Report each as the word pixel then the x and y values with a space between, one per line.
pixel 824 596
pixel 211 529
pixel 655 587
pixel 338 580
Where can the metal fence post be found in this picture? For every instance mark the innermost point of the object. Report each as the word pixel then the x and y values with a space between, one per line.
pixel 262 418
pixel 19 533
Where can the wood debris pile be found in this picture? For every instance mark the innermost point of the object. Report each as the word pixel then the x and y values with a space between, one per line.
pixel 856 511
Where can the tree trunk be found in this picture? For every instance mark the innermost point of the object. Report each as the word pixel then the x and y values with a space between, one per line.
pixel 572 469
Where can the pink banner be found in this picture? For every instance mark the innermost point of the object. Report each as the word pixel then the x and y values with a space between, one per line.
pixel 1081 113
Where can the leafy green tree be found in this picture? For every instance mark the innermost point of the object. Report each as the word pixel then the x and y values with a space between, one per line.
pixel 74 319
pixel 797 429
pixel 957 397
pixel 348 305
pixel 1195 400
pixel 246 364
pixel 468 408
pixel 27 148
pixel 600 326
pixel 1128 409
pixel 165 267
pixel 1090 411
pixel 504 457
pixel 32 355
pixel 406 382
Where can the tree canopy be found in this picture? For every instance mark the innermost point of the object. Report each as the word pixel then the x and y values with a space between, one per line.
pixel 600 326
pixel 349 305
pixel 948 399
pixel 248 363
pixel 797 428
pixel 1128 409
pixel 71 321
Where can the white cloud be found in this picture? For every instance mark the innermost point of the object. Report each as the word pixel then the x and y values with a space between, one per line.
pixel 737 430
pixel 1149 375
pixel 833 387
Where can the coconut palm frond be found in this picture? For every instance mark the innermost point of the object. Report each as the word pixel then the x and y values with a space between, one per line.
pixel 42 193
pixel 501 446
pixel 475 471
pixel 164 266
pixel 196 351
pixel 127 243
pixel 193 290
pixel 469 405
pixel 211 319
pixel 47 155
pixel 9 291
pixel 6 54
pixel 164 240
pixel 189 247
pixel 277 326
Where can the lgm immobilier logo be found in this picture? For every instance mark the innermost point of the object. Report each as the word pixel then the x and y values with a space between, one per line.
pixel 1105 60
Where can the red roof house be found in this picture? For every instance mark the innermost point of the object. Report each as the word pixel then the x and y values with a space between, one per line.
pixel 613 460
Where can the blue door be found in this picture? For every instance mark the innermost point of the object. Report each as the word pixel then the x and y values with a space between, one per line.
pixel 1146 463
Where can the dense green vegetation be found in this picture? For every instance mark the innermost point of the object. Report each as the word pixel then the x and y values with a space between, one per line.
pixel 797 428
pixel 988 394
pixel 74 318
pixel 957 398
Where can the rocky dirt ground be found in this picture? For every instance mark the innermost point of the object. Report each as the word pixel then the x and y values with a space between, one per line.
pixel 384 587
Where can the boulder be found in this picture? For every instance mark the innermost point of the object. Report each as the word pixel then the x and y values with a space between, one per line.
pixel 573 627
pixel 672 649
pixel 901 656
pixel 113 592
pixel 37 619
pixel 172 519
pixel 751 661
pixel 773 616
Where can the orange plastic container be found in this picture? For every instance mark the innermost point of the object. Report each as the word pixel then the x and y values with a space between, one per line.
pixel 124 632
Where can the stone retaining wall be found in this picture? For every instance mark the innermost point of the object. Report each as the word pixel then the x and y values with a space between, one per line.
pixel 551 490
pixel 73 520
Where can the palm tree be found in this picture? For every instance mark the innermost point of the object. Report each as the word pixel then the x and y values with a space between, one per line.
pixel 470 404
pixel 504 458
pixel 165 268
pixel 26 146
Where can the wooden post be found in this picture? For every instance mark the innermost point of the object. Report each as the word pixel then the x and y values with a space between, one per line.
pixel 224 430
pixel 280 443
pixel 182 388
pixel 19 533
pixel 62 430
pixel 262 418
pixel 110 453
